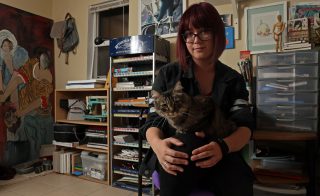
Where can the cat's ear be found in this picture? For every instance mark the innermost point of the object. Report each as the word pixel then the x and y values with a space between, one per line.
pixel 178 87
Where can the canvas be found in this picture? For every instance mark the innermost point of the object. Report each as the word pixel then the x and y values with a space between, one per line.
pixel 26 85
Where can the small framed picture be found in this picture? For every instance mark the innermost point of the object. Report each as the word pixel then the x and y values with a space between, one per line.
pixel 161 18
pixel 227 19
pixel 260 21
pixel 229 31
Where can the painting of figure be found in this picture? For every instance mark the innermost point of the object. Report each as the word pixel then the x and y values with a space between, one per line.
pixel 26 85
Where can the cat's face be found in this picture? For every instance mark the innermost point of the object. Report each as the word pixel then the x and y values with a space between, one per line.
pixel 173 105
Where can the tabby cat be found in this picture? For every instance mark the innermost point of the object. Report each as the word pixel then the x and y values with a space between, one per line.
pixel 189 114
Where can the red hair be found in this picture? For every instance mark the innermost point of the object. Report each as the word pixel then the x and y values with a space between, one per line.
pixel 200 15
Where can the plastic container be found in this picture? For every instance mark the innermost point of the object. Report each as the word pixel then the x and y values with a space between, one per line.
pixel 94 165
pixel 288 72
pixel 288 58
pixel 287 85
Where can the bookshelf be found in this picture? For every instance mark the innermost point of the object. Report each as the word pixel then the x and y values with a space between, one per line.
pixel 61 117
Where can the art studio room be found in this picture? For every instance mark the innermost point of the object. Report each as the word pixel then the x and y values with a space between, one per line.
pixel 159 97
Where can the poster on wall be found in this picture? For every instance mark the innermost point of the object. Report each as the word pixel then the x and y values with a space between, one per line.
pixel 26 85
pixel 160 17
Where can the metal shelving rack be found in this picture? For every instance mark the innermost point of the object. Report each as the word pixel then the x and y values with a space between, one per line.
pixel 134 61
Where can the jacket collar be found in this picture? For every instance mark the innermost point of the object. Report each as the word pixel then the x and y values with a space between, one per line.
pixel 223 75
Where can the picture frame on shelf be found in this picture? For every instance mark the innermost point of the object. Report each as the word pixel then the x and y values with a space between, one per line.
pixel 154 17
pixel 259 22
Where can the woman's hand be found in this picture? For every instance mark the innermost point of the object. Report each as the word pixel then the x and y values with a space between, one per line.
pixel 211 153
pixel 168 158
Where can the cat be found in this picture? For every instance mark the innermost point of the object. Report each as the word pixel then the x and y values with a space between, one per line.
pixel 188 114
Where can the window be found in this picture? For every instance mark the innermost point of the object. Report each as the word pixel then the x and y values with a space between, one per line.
pixel 107 20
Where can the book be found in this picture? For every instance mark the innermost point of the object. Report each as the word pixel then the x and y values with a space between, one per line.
pixel 65 144
pixel 298 30
pixel 97 146
pixel 298 45
pixel 102 81
pixel 294 42
pixel 311 12
pixel 85 85
pixel 296 49
pixel 76 161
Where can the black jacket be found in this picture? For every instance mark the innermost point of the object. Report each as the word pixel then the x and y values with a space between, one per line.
pixel 229 93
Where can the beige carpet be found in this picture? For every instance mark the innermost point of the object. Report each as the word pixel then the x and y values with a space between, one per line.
pixel 23 177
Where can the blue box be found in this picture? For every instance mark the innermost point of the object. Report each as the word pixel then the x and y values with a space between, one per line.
pixel 139 44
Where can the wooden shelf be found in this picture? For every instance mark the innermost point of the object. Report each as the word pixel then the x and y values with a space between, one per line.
pixel 283 136
pixel 83 122
pixel 61 116
pixel 83 90
pixel 84 147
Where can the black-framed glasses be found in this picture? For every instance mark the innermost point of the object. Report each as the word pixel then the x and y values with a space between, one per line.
pixel 204 35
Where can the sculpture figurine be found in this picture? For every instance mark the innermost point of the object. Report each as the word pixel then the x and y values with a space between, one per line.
pixel 278 28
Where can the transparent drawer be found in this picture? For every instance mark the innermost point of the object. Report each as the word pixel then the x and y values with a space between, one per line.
pixel 268 122
pixel 288 58
pixel 288 112
pixel 287 85
pixel 306 57
pixel 292 71
pixel 287 98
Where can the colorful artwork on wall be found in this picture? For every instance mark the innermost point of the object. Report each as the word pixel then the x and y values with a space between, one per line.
pixel 160 17
pixel 26 85
pixel 229 31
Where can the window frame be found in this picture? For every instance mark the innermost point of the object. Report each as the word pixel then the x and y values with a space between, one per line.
pixel 93 32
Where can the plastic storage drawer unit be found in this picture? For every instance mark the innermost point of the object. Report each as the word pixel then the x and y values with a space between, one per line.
pixel 288 58
pixel 287 85
pixel 289 111
pixel 94 165
pixel 287 98
pixel 294 71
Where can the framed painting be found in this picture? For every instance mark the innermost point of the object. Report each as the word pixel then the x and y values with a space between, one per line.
pixel 26 94
pixel 160 17
pixel 260 26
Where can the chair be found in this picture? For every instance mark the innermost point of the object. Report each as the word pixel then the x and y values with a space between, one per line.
pixel 156 183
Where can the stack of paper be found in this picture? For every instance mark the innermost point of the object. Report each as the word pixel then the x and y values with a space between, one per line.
pixel 93 83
